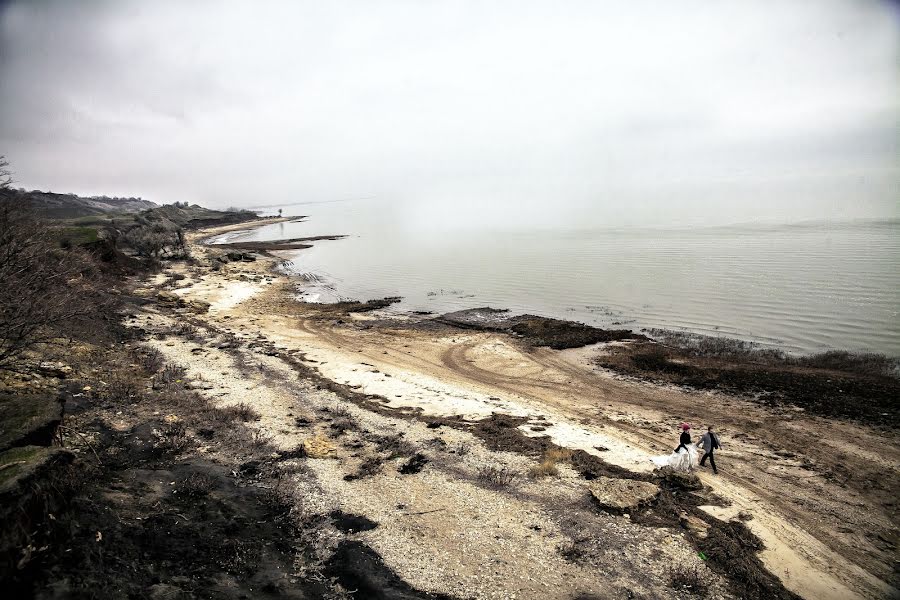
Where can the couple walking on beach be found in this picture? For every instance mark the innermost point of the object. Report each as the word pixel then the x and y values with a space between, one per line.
pixel 684 458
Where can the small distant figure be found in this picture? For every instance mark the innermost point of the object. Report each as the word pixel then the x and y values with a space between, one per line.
pixel 684 458
pixel 279 212
pixel 709 442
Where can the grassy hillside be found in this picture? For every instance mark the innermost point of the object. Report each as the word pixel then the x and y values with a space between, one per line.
pixel 117 230
pixel 69 206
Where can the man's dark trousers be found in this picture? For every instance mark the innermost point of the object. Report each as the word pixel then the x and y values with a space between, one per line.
pixel 712 461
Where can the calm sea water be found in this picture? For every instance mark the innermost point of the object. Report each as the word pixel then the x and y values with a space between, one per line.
pixel 804 288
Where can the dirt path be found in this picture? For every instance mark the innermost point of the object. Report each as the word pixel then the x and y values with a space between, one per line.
pixel 821 493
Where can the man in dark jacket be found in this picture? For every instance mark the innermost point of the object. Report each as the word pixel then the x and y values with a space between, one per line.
pixel 709 442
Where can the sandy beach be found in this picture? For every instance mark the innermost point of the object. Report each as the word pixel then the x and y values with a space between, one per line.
pixel 468 406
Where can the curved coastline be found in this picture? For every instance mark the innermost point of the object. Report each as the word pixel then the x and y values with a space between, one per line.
pixel 507 387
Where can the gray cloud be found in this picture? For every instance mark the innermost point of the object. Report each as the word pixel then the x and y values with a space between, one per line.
pixel 630 112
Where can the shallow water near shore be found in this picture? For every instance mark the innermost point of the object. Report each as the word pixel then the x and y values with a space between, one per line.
pixel 801 287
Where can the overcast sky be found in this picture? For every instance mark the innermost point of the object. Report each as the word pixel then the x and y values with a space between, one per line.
pixel 463 112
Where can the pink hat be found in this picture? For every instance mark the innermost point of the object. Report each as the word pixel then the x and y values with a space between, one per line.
pixel 685 426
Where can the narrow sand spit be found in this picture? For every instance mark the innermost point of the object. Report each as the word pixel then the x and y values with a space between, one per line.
pixel 825 537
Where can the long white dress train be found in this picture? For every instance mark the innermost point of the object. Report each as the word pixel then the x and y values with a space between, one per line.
pixel 682 460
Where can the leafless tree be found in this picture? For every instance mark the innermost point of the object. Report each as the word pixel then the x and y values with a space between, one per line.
pixel 5 174
pixel 157 240
pixel 43 287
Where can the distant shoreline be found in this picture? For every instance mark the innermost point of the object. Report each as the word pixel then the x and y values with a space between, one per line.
pixel 750 343
pixel 830 383
pixel 206 233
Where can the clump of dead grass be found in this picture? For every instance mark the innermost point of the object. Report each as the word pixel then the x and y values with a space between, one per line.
pixel 171 375
pixel 124 385
pixel 853 362
pixel 172 438
pixel 548 464
pixel 577 551
pixel 148 358
pixel 195 486
pixel 461 449
pixel 370 466
pixel 240 412
pixel 689 579
pixel 259 439
pixel 497 477
pixel 394 445
pixel 187 331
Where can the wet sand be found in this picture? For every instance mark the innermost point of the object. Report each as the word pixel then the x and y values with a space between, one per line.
pixel 820 493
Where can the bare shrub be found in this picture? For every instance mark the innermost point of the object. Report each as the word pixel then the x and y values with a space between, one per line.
pixel 156 240
pixel 342 425
pixel 689 579
pixel 184 399
pixel 460 449
pixel 170 375
pixel 186 330
pixel 240 412
pixel 394 445
pixel 172 438
pixel 497 477
pixel 44 287
pixel 367 468
pixel 6 175
pixel 259 439
pixel 124 386
pixel 149 359
pixel 338 411
pixel 195 486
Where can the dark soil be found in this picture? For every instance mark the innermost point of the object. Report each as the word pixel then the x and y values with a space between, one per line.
pixel 867 397
pixel 141 520
pixel 731 548
pixel 350 523
pixel 357 567
pixel 414 465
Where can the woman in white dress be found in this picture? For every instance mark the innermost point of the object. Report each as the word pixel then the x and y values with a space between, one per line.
pixel 684 458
